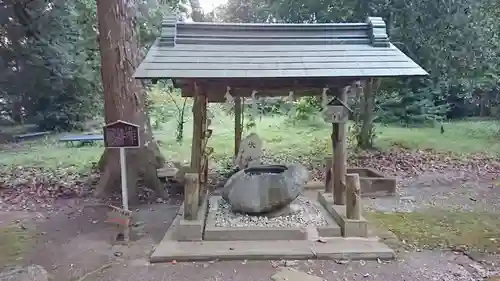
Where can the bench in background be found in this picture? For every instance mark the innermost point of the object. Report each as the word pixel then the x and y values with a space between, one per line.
pixel 82 140
pixel 29 136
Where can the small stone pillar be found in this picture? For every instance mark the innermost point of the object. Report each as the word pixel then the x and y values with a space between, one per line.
pixel 191 195
pixel 353 197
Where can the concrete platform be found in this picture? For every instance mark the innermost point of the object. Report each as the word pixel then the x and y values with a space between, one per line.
pixel 329 248
pixel 216 233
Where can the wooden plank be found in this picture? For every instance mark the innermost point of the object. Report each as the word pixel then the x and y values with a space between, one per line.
pixel 251 48
pixel 381 71
pixel 339 143
pixel 266 60
pixel 234 53
pixel 239 86
pixel 266 27
pixel 218 96
pixel 191 195
pixel 277 66
pixel 275 35
pixel 243 41
pixel 353 197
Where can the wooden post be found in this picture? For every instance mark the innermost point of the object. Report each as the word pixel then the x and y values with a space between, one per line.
pixel 353 197
pixel 191 195
pixel 197 130
pixel 237 125
pixel 339 144
pixel 203 170
pixel 193 190
pixel 328 174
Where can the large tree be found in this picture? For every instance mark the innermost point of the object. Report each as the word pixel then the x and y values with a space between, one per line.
pixel 124 97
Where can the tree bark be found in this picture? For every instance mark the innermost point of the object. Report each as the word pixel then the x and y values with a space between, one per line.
pixel 124 99
pixel 365 138
pixel 196 11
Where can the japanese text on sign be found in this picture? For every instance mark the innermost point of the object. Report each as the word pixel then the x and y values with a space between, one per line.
pixel 121 134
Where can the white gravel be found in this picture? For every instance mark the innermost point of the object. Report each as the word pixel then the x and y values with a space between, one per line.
pixel 307 214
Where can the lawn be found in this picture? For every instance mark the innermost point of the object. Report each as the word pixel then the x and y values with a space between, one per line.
pixel 436 228
pixel 309 139
pixel 14 242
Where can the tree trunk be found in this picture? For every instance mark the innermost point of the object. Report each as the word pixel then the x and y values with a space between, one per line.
pixel 124 99
pixel 196 11
pixel 365 138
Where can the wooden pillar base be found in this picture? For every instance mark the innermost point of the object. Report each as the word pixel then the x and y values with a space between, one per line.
pixel 191 195
pixel 353 197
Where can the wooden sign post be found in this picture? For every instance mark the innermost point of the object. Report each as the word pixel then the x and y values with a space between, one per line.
pixel 337 112
pixel 122 135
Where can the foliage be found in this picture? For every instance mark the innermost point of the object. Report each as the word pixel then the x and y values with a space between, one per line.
pixel 410 108
pixel 306 107
pixel 455 41
pixel 53 44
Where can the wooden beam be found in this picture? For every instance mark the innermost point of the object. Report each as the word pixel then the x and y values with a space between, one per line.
pixel 237 125
pixel 339 145
pixel 215 91
pixel 270 83
pixel 218 96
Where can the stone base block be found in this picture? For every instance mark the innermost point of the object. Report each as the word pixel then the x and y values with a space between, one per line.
pixel 192 230
pixel 349 228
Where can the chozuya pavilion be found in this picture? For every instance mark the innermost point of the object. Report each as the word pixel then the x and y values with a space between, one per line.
pixel 227 62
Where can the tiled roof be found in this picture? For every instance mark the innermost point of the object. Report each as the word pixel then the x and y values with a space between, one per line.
pixel 235 50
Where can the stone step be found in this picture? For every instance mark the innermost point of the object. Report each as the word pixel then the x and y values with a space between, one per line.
pixel 330 249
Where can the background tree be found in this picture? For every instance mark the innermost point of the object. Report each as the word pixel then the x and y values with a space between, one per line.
pixel 124 96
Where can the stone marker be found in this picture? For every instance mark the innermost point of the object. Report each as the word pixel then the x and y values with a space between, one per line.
pixel 264 188
pixel 250 152
pixel 287 274
pixel 28 273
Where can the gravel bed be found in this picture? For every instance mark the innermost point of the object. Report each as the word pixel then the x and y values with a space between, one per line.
pixel 307 214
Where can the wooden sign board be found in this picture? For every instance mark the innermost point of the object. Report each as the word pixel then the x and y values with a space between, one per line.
pixel 121 134
pixel 336 112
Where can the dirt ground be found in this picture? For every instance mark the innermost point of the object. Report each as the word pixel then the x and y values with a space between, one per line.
pixel 75 242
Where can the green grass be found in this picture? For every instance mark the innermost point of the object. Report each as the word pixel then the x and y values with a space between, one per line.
pixel 459 137
pixel 302 139
pixel 436 228
pixel 311 139
pixel 14 242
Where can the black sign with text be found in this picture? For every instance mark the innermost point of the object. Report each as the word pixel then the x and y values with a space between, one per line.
pixel 121 134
